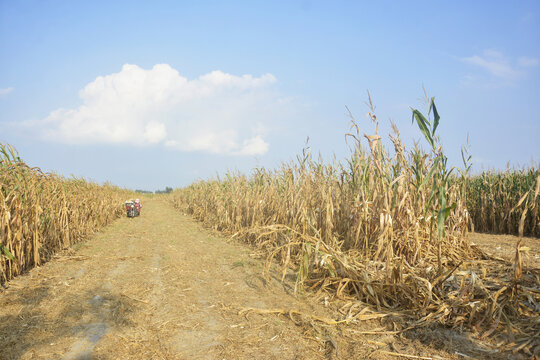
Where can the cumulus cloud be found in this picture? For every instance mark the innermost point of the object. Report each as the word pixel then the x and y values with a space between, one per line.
pixel 216 113
pixel 498 65
pixel 5 91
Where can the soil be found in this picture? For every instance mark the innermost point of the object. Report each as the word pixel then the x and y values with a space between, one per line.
pixel 160 286
pixel 504 247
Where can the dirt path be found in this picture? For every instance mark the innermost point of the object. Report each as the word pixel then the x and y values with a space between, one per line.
pixel 161 287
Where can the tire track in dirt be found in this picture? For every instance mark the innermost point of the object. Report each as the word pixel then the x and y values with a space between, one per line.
pixel 99 311
pixel 76 302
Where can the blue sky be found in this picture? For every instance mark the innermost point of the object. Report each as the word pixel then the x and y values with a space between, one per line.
pixel 154 94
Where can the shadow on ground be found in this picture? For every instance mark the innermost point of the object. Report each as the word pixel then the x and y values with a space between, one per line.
pixel 72 327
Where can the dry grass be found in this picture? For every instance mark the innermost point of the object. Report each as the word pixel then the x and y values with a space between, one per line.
pixel 385 228
pixel 42 213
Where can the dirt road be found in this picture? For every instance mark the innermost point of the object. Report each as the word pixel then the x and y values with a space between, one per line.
pixel 161 287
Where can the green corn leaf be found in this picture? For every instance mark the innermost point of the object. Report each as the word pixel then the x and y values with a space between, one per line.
pixel 442 198
pixel 436 116
pixel 430 199
pixel 463 157
pixel 423 125
pixel 430 174
pixel 447 176
pixel 441 218
pixel 8 253
pixel 440 224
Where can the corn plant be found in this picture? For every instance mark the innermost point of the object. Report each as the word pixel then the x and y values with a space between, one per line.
pixel 42 213
pixel 439 174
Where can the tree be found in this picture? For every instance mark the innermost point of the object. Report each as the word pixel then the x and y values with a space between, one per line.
pixel 166 191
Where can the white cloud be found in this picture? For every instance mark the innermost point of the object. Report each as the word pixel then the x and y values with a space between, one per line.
pixel 254 145
pixel 217 113
pixel 528 62
pixel 493 62
pixel 498 65
pixel 5 91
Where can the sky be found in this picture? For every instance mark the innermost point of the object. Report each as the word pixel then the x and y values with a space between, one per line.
pixel 149 94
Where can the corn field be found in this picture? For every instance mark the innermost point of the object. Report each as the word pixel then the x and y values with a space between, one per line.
pixel 505 202
pixel 43 213
pixel 387 228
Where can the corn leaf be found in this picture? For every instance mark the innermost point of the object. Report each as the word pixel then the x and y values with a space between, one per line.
pixel 436 116
pixel 8 253
pixel 441 218
pixel 423 125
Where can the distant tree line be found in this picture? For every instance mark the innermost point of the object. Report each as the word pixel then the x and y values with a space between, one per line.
pixel 166 191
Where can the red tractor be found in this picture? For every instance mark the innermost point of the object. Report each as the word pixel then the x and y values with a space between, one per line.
pixel 133 208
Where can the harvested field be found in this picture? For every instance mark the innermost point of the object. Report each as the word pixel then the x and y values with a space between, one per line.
pixel 504 247
pixel 162 287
